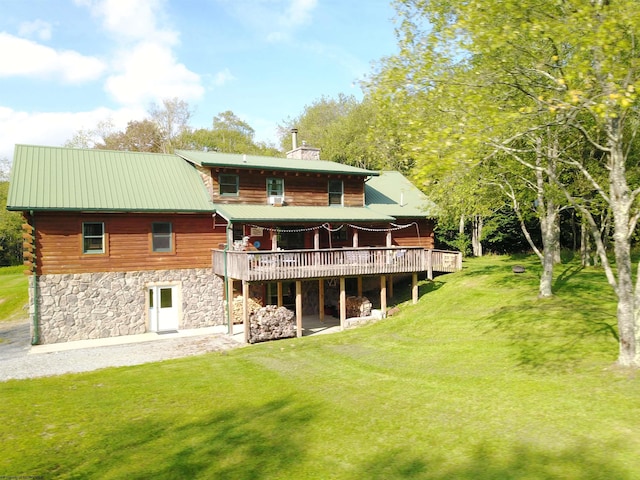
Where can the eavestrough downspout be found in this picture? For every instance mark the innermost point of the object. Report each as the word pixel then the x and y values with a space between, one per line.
pixel 226 283
pixel 35 338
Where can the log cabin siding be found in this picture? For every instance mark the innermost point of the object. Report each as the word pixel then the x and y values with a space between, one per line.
pixel 127 242
pixel 300 189
pixel 419 235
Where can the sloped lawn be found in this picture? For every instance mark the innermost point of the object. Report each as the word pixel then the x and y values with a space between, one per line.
pixel 13 293
pixel 480 380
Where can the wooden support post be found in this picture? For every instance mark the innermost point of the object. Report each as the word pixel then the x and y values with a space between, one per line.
pixel 359 286
pixel 274 240
pixel 414 287
pixel 321 299
pixel 430 264
pixel 343 303
pixel 383 295
pixel 245 310
pixel 298 308
pixel 389 239
pixel 316 239
pixel 230 303
pixel 279 286
pixel 355 238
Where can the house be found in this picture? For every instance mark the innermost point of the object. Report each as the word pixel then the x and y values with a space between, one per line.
pixel 122 243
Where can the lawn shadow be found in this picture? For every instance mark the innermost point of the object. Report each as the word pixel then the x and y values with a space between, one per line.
pixel 548 335
pixel 249 442
pixel 586 462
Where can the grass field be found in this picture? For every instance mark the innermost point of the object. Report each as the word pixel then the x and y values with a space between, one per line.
pixel 479 380
pixel 13 293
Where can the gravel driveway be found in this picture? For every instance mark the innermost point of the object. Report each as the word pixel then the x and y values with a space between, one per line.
pixel 17 361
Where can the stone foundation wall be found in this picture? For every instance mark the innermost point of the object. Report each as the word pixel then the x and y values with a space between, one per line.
pixel 108 304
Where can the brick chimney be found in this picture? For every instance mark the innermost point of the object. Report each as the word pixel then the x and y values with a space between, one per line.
pixel 303 152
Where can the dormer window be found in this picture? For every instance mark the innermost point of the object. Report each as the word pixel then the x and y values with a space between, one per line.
pixel 275 190
pixel 336 191
pixel 228 185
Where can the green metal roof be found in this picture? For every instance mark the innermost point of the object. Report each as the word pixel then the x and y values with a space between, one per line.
pixel 393 194
pixel 54 178
pixel 269 213
pixel 232 160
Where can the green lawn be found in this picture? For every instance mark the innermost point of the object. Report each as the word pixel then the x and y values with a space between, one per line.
pixel 13 293
pixel 479 380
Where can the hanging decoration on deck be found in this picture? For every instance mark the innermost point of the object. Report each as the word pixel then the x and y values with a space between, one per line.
pixel 329 228
pixel 395 227
pixel 326 226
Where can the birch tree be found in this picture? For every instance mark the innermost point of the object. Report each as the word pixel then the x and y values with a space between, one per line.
pixel 512 72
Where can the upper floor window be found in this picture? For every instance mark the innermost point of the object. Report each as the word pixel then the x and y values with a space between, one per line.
pixel 93 237
pixel 275 187
pixel 336 189
pixel 161 237
pixel 228 184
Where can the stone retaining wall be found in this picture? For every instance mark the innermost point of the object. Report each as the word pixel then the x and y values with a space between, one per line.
pixel 108 304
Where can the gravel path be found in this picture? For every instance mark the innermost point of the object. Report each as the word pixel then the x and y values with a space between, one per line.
pixel 17 363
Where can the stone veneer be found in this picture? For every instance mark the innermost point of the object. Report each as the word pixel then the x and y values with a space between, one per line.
pixel 108 304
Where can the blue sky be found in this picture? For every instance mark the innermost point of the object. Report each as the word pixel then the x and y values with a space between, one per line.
pixel 66 65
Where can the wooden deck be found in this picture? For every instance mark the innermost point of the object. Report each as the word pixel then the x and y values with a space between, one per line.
pixel 328 263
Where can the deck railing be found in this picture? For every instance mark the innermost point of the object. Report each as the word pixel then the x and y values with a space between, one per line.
pixel 265 265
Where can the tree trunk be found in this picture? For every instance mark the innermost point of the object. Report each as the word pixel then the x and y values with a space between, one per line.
pixel 476 235
pixel 549 226
pixel 621 200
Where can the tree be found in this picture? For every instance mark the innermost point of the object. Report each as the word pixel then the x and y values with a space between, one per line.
pixel 90 138
pixel 229 134
pixel 172 119
pixel 541 69
pixel 139 136
pixel 340 129
pixel 10 230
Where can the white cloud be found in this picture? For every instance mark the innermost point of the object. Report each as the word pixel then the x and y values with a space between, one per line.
pixel 299 12
pixel 38 28
pixel 145 68
pixel 276 19
pixel 150 72
pixel 55 128
pixel 21 57
pixel 223 77
pixel 132 19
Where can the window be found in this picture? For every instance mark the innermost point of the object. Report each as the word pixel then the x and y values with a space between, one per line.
pixel 93 237
pixel 228 184
pixel 275 187
pixel 161 237
pixel 335 192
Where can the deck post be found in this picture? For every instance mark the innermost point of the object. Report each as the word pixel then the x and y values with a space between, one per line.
pixel 230 303
pixel 343 303
pixel 321 299
pixel 414 287
pixel 298 308
pixel 355 238
pixel 245 310
pixel 279 286
pixel 430 264
pixel 359 286
pixel 383 295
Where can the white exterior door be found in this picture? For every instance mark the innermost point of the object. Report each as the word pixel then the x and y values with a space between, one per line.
pixel 163 308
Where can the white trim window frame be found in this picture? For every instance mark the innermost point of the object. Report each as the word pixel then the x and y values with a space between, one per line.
pixel 93 238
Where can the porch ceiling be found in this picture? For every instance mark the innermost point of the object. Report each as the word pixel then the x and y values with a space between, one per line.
pixel 269 213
